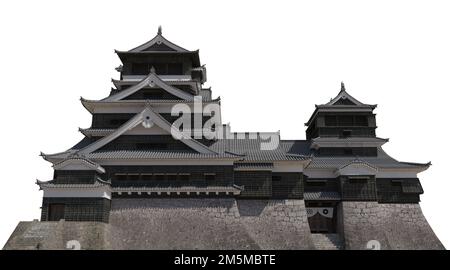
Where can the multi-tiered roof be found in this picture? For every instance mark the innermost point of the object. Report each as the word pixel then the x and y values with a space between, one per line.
pixel 133 95
pixel 152 80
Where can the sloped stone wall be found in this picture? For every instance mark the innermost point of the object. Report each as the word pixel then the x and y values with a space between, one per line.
pixel 228 224
pixel 394 226
pixel 35 235
pixel 209 224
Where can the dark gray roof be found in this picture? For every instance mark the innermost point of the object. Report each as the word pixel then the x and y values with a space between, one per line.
pixel 241 149
pixel 383 160
pixel 136 154
pixel 321 195
pixel 299 147
pixel 51 184
pixel 232 188
pixel 251 149
pixel 254 166
pixel 247 151
pixel 333 104
pixel 96 131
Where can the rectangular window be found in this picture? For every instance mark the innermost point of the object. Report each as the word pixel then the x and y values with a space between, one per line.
pixel 346 133
pixel 355 180
pixel 133 177
pixel 210 177
pixel 172 176
pixel 184 177
pixel 121 177
pixel 146 176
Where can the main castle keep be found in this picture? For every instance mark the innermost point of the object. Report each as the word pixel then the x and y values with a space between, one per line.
pixel 146 178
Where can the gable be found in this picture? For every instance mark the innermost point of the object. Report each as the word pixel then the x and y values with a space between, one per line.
pixel 151 81
pixel 78 164
pixel 357 168
pixel 148 118
pixel 146 143
pixel 344 101
pixel 159 47
pixel 151 94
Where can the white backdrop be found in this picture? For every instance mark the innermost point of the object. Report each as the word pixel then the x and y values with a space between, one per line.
pixel 270 61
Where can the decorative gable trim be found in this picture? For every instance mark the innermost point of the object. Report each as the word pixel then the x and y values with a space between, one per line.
pixel 78 163
pixel 357 167
pixel 152 80
pixel 147 117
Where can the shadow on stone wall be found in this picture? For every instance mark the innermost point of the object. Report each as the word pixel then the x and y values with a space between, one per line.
pixel 251 207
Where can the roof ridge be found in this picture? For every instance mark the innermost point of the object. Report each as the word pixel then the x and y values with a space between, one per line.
pixel 158 39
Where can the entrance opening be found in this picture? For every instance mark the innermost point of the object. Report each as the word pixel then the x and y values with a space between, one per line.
pixel 55 212
pixel 322 217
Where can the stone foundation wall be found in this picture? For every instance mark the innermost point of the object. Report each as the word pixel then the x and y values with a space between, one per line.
pixel 228 224
pixel 394 226
pixel 209 224
pixel 35 235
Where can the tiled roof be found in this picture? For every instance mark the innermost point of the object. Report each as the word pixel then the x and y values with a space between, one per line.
pixel 381 161
pixel 96 131
pixel 254 166
pixel 145 101
pixel 52 184
pixel 251 150
pixel 321 195
pixel 349 139
pixel 189 189
pixel 137 154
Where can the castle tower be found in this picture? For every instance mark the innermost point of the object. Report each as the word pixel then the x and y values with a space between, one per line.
pixel 367 194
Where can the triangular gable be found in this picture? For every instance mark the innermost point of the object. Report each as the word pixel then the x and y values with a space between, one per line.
pixel 158 43
pixel 344 98
pixel 77 163
pixel 357 167
pixel 151 80
pixel 344 101
pixel 148 117
pixel 159 47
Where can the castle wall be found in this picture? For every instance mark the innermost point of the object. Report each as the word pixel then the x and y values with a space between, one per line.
pixel 209 224
pixel 394 226
pixel 35 235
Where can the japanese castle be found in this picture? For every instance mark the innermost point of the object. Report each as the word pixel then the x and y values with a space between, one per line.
pixel 158 169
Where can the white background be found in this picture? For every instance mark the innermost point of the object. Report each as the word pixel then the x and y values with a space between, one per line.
pixel 269 61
